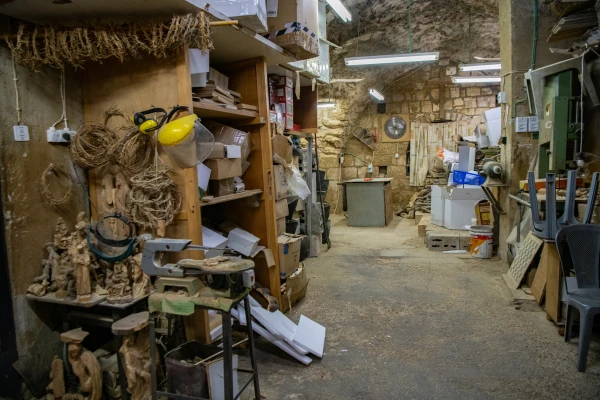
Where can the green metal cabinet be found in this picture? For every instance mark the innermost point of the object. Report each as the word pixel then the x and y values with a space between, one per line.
pixel 369 202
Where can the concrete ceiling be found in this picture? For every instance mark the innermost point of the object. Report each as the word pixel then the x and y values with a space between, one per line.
pixel 381 27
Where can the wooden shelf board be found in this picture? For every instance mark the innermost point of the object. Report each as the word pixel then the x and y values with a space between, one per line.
pixel 210 110
pixel 231 197
pixel 48 11
pixel 284 70
pixel 235 43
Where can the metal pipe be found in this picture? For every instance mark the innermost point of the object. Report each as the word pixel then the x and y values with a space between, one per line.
pixel 518 200
pixel 535 33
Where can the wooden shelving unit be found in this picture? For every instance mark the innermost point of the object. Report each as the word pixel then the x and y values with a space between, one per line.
pixel 231 197
pixel 214 111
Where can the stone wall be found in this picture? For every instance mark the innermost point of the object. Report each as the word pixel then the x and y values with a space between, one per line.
pixel 420 97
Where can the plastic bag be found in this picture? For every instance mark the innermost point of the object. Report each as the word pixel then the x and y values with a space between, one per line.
pixel 447 156
pixel 296 183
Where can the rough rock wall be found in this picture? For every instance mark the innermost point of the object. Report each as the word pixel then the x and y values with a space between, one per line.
pixel 414 97
pixel 381 27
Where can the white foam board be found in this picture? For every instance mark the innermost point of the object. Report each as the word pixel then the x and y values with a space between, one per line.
pixel 310 335
pixel 272 322
pixel 216 378
pixel 211 238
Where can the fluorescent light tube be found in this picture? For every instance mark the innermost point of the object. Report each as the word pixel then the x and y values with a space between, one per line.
pixel 340 10
pixel 393 59
pixel 327 104
pixel 480 67
pixel 347 80
pixel 376 94
pixel 477 79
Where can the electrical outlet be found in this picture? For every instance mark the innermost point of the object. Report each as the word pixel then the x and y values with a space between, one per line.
pixel 59 135
pixel 21 133
pixel 502 98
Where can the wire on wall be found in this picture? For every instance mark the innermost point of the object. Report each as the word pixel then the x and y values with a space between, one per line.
pixel 16 80
pixel 63 97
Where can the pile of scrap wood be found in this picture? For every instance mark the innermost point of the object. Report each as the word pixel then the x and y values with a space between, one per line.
pixel 420 201
pixel 216 94
pixel 573 26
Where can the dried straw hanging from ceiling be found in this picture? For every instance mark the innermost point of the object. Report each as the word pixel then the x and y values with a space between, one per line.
pixel 58 46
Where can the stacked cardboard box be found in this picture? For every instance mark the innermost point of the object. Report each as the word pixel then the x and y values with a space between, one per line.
pixel 285 97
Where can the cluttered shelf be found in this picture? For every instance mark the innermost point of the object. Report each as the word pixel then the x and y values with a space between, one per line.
pixel 304 135
pixel 205 202
pixel 213 110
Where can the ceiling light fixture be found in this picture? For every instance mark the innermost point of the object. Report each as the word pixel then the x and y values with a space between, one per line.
pixel 326 104
pixel 392 59
pixel 476 79
pixel 480 67
pixel 376 94
pixel 340 10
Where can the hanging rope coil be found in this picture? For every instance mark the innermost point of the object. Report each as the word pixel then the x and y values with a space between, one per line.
pixel 58 173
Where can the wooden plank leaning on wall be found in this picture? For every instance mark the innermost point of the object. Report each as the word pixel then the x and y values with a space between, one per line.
pixel 136 85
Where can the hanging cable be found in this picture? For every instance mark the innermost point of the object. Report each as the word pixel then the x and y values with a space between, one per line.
pixel 581 102
pixel 410 37
pixel 15 80
pixel 63 97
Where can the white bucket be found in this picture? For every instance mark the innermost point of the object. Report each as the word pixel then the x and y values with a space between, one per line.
pixel 482 241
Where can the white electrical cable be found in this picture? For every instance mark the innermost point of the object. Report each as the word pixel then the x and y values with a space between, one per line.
pixel 17 107
pixel 63 97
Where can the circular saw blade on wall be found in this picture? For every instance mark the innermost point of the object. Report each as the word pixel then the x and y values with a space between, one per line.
pixel 396 129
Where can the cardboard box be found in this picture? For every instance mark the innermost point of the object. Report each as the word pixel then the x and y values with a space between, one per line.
pixel 245 166
pixel 243 242
pixel 221 187
pixel 459 207
pixel 218 152
pixel 284 95
pixel 211 238
pixel 296 286
pixel 250 13
pixel 230 136
pixel 263 262
pixel 289 122
pixel 282 147
pixel 281 209
pixel 280 226
pixel 303 11
pixel 224 168
pixel 286 81
pixel 281 183
pixel 483 213
pixel 493 123
pixel 289 253
pixel 228 226
pixel 439 194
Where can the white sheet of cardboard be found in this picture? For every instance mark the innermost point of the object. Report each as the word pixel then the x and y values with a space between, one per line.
pixel 233 151
pixel 243 242
pixel 216 378
pixel 466 158
pixel 199 62
pixel 211 238
pixel 203 176
pixel 493 122
pixel 310 335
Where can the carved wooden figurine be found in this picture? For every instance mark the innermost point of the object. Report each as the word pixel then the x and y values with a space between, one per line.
pixel 118 284
pixel 141 281
pixel 57 376
pixel 81 258
pixel 83 363
pixel 135 353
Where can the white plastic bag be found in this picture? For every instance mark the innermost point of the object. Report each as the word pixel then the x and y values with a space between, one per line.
pixel 447 156
pixel 296 183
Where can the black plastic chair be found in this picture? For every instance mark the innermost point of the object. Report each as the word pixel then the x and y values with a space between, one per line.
pixel 579 250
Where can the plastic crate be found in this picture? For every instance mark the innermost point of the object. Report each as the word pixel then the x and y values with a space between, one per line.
pixel 467 178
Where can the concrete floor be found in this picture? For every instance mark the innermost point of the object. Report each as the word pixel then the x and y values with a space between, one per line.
pixel 406 323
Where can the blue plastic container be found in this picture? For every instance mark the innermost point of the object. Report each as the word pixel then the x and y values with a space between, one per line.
pixel 467 178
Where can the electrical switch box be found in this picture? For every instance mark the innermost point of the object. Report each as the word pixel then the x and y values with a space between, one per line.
pixel 522 124
pixel 59 135
pixel 534 124
pixel 502 98
pixel 21 133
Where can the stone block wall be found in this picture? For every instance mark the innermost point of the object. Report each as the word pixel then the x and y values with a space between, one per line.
pixel 421 97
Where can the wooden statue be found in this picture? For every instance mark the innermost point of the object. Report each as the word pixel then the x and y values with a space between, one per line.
pixel 118 284
pixel 57 376
pixel 83 363
pixel 81 259
pixel 135 353
pixel 141 281
pixel 121 193
pixel 61 235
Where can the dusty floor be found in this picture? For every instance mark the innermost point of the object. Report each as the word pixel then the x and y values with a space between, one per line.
pixel 406 323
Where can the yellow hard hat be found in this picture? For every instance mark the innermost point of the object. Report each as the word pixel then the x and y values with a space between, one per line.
pixel 176 131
